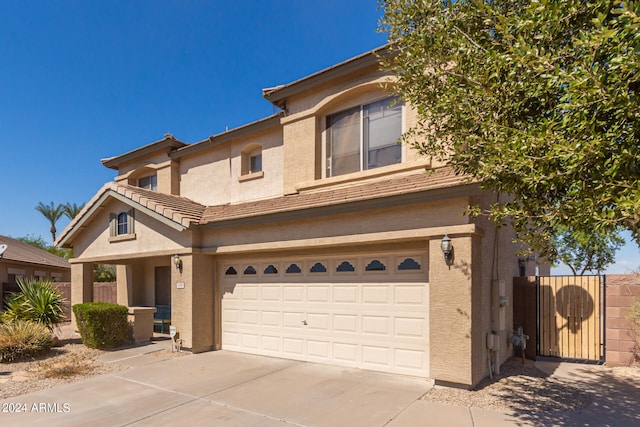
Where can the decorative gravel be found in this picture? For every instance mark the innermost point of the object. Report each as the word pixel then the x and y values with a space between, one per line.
pixel 521 388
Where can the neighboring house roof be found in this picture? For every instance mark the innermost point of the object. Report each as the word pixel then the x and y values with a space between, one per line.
pixel 277 95
pixel 182 213
pixel 20 251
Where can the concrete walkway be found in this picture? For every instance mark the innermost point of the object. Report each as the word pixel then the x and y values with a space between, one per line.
pixel 226 388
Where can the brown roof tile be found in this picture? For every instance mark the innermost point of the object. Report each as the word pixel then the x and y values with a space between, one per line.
pixel 189 213
pixel 418 182
pixel 20 251
pixel 178 209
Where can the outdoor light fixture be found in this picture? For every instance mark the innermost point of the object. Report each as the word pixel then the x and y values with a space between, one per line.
pixel 177 262
pixel 447 249
pixel 522 266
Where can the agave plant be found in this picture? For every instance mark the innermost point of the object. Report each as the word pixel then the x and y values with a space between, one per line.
pixel 37 301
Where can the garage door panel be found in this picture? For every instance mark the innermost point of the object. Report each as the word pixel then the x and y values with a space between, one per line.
pixel 293 346
pixel 374 320
pixel 375 294
pixel 345 294
pixel 271 318
pixel 270 293
pixel 410 295
pixel 345 323
pixel 410 327
pixel 318 294
pixel 271 343
pixel 292 319
pixel 378 325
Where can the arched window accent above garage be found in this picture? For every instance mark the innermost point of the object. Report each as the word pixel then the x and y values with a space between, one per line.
pixel 318 267
pixel 271 269
pixel 249 270
pixel 345 266
pixel 375 265
pixel 293 268
pixel 230 272
pixel 409 264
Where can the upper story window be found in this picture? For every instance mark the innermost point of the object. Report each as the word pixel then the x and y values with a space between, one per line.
pixel 251 162
pixel 255 163
pixel 149 182
pixel 122 225
pixel 364 137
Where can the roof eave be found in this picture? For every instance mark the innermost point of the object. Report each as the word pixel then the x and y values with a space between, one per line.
pixel 249 128
pixel 277 95
pixel 168 143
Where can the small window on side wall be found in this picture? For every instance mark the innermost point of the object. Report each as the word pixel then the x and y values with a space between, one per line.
pixel 252 160
pixel 121 224
pixel 149 182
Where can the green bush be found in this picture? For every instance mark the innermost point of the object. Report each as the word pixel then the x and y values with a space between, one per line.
pixel 102 325
pixel 22 338
pixel 38 301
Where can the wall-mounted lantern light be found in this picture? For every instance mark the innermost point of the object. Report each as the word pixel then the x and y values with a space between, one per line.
pixel 177 262
pixel 447 249
pixel 522 266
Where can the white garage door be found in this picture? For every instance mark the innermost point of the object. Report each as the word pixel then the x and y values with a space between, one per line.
pixel 368 312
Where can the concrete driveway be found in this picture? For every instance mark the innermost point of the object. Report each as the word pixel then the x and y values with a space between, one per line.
pixel 220 388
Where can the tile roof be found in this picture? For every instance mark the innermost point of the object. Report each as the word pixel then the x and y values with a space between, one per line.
pixel 391 186
pixel 20 251
pixel 188 213
pixel 175 208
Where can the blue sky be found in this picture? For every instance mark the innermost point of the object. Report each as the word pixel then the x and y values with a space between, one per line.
pixel 85 80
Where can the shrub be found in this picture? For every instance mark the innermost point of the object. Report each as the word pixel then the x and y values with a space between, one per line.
pixel 37 301
pixel 22 338
pixel 102 325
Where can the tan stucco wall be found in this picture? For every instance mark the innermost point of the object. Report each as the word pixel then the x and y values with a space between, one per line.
pixel 192 304
pixel 152 237
pixel 429 214
pixel 211 177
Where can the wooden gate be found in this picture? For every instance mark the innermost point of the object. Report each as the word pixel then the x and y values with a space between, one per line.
pixel 570 309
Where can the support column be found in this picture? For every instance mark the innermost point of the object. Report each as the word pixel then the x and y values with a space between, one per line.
pixel 454 297
pixel 81 286
pixel 124 280
pixel 192 303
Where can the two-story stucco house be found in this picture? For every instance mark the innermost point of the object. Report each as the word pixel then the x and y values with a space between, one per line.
pixel 311 234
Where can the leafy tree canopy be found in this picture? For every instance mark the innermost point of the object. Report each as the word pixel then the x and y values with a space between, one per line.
pixel 583 252
pixel 537 99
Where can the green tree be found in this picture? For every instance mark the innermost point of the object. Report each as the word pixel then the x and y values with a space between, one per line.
pixel 71 210
pixel 104 273
pixel 39 242
pixel 583 252
pixel 53 214
pixel 536 99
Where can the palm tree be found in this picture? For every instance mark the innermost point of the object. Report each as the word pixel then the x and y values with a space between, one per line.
pixel 52 213
pixel 71 209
